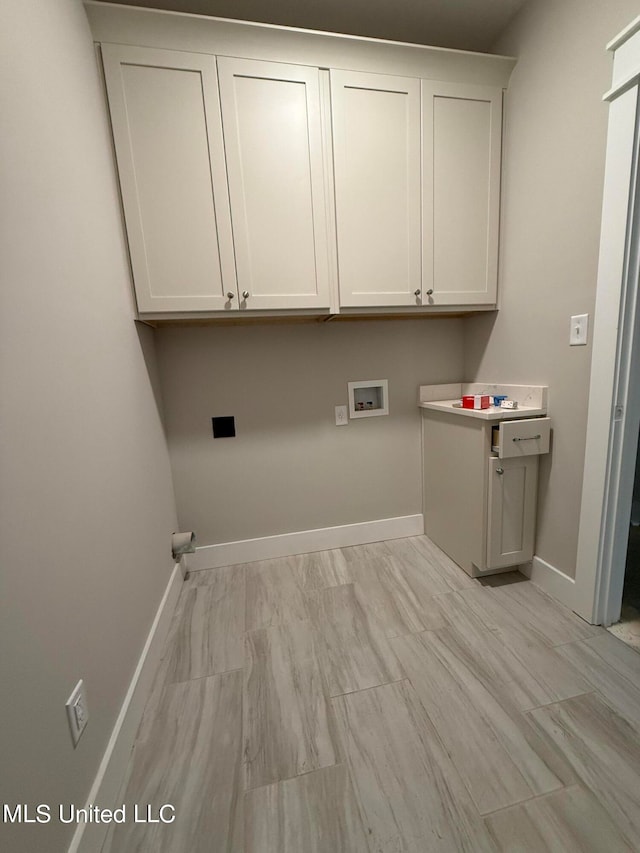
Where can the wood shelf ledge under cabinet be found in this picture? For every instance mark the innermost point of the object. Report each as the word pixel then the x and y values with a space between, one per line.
pixel 280 319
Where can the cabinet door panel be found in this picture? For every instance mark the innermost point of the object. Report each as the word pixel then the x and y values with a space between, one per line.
pixel 376 133
pixel 461 160
pixel 168 138
pixel 512 510
pixel 273 141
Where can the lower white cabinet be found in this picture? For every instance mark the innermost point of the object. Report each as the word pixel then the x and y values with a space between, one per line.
pixel 480 507
pixel 512 491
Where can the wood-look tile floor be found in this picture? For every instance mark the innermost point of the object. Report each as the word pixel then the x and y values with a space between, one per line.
pixel 376 699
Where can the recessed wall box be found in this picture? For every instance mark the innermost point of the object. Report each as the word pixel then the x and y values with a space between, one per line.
pixel 368 398
pixel 224 427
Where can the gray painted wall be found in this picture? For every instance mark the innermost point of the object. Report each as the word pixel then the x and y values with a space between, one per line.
pixel 83 458
pixel 290 468
pixel 86 503
pixel 554 151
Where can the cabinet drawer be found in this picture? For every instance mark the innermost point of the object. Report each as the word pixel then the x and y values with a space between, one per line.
pixel 526 437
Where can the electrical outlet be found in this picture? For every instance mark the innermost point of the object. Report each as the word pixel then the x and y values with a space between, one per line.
pixel 579 330
pixel 77 711
pixel 341 416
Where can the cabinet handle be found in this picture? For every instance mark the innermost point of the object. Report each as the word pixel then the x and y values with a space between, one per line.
pixel 417 292
pixel 245 294
pixel 230 296
pixel 500 471
pixel 527 438
pixel 430 291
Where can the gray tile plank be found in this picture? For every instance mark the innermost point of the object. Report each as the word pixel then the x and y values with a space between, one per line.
pixel 603 664
pixel 207 634
pixel 314 813
pixel 478 654
pixel 604 751
pixel 453 576
pixel 384 594
pixel 544 676
pixel 491 743
pixel 412 581
pixel 397 594
pixel 523 608
pixel 187 763
pixel 530 672
pixel 354 653
pixel 623 658
pixel 411 798
pixel 567 821
pixel 538 609
pixel 422 566
pixel 273 596
pixel 321 569
pixel 156 700
pixel 486 652
pixel 288 726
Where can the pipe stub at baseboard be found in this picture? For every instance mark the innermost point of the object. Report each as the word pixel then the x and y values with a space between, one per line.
pixel 183 543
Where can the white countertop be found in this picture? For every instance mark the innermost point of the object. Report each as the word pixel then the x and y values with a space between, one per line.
pixel 531 399
pixel 493 413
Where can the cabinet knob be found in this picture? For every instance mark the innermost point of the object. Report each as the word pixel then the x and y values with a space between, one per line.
pixel 430 291
pixel 230 296
pixel 499 470
pixel 245 294
pixel 417 292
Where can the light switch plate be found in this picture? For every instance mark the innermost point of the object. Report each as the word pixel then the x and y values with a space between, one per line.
pixel 341 416
pixel 579 330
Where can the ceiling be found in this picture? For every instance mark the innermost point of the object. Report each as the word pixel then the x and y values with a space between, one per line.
pixel 462 24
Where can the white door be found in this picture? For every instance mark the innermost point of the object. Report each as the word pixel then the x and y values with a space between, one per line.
pixel 167 130
pixel 376 143
pixel 614 396
pixel 513 485
pixel 273 140
pixel 462 129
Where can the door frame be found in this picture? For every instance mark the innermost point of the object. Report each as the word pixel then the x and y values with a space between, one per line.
pixel 614 396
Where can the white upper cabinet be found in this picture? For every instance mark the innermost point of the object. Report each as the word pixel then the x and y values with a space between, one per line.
pixel 462 127
pixel 167 130
pixel 273 141
pixel 376 142
pixel 265 169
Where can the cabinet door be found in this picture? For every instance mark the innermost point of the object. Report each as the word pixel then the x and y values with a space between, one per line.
pixel 376 142
pixel 167 130
pixel 273 140
pixel 513 487
pixel 462 127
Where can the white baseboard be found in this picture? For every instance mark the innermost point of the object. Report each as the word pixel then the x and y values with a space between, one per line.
pixel 304 541
pixel 552 581
pixel 89 837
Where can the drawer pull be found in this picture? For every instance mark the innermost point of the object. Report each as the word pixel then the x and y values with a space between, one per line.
pixel 528 438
